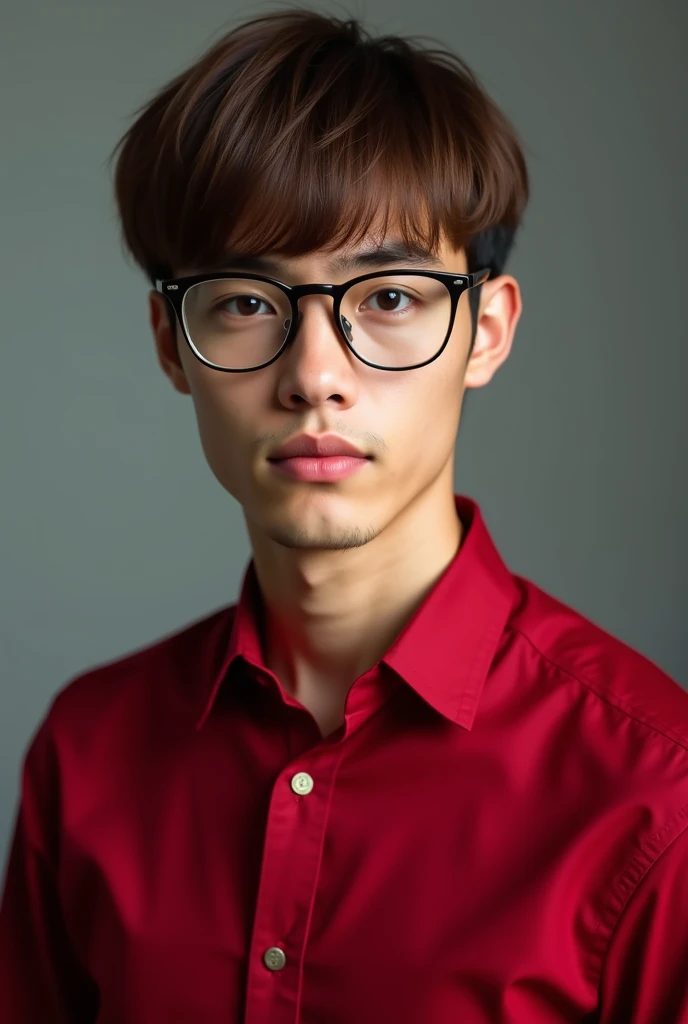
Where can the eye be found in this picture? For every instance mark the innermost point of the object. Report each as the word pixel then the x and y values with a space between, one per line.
pixel 246 305
pixel 390 300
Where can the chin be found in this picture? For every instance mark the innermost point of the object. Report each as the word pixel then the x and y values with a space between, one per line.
pixel 323 537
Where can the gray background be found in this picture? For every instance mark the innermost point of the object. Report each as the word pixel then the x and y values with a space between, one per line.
pixel 114 531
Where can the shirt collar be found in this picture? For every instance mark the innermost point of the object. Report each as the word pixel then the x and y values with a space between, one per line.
pixel 445 650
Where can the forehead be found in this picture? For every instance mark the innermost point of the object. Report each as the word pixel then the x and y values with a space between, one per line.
pixel 374 252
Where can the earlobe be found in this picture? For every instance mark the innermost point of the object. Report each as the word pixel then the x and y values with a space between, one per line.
pixel 500 309
pixel 166 342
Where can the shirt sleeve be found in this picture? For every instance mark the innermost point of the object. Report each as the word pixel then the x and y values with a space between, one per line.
pixel 645 975
pixel 41 978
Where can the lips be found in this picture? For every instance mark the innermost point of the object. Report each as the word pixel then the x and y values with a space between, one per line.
pixel 324 446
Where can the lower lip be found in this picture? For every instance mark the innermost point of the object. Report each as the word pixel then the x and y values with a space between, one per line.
pixel 325 468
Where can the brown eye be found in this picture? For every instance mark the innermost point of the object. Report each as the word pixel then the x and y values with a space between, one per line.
pixel 246 305
pixel 388 300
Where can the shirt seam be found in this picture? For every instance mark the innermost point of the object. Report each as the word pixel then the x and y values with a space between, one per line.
pixel 618 702
pixel 627 882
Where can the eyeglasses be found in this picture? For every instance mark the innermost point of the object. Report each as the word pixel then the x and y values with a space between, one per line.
pixel 391 320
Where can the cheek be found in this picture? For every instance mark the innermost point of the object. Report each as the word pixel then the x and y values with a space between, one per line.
pixel 428 401
pixel 423 417
pixel 225 428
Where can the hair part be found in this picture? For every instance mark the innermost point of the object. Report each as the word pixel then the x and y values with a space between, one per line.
pixel 297 131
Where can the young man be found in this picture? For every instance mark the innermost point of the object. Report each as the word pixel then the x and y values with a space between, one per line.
pixel 395 782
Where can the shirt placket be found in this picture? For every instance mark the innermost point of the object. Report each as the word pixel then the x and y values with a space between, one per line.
pixel 292 855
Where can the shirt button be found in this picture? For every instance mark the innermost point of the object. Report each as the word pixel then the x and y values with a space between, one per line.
pixel 274 958
pixel 302 783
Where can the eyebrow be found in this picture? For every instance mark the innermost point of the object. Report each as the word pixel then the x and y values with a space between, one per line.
pixel 370 256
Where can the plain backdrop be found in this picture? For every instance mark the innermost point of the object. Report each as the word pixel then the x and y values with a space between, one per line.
pixel 114 531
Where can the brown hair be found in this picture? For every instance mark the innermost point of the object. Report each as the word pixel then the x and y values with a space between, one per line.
pixel 297 129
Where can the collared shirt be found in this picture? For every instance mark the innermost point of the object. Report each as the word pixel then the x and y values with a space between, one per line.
pixel 498 834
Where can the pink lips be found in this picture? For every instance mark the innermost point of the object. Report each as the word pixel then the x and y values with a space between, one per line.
pixel 324 444
pixel 328 468
pixel 326 458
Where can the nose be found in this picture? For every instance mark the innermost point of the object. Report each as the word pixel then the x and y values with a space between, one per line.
pixel 317 366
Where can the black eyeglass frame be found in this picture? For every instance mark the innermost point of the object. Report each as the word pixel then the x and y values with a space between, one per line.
pixel 176 288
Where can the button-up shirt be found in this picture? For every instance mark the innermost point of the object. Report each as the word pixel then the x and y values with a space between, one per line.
pixel 497 834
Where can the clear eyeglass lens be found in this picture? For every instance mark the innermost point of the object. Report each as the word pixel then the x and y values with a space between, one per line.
pixel 391 320
pixel 238 322
pixel 397 320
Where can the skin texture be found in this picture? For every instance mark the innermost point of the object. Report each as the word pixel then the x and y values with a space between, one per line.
pixel 342 566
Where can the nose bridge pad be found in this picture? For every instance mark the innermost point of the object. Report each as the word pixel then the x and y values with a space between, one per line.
pixel 347 328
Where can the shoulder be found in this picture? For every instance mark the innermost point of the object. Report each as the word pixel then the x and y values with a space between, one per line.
pixel 108 716
pixel 582 655
pixel 161 677
pixel 610 734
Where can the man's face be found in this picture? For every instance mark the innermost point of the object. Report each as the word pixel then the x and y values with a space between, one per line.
pixel 406 422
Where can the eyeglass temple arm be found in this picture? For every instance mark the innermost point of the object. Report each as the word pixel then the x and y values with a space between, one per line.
pixel 479 277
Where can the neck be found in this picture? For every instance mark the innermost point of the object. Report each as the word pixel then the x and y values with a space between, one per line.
pixel 331 615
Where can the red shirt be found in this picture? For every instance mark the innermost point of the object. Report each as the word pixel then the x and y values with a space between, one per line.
pixel 497 834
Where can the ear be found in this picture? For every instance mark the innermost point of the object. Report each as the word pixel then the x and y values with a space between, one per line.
pixel 500 309
pixel 166 341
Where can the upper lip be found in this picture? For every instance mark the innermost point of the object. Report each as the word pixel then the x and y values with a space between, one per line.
pixel 326 444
